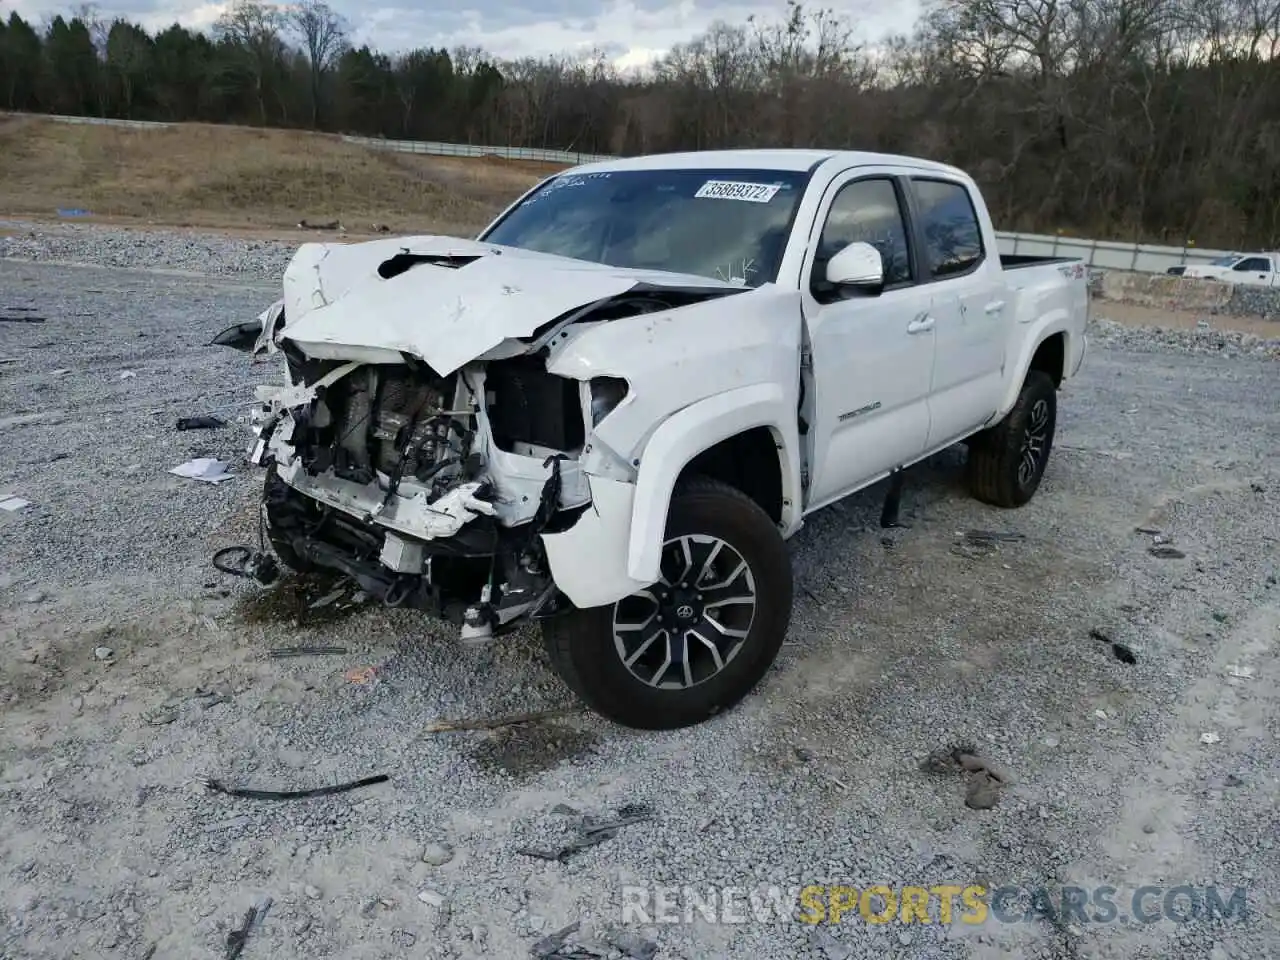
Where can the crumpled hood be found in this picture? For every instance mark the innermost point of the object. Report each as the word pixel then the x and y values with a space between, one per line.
pixel 338 306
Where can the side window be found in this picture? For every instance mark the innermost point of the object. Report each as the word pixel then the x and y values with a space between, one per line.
pixel 1253 265
pixel 867 211
pixel 949 227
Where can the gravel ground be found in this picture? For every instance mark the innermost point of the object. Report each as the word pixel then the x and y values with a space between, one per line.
pixel 211 254
pixel 129 668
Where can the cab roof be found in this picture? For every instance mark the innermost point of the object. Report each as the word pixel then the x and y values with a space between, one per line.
pixel 790 160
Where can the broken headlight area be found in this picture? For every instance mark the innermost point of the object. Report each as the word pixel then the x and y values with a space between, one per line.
pixel 606 394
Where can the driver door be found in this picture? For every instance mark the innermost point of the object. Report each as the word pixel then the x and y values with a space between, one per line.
pixel 871 356
pixel 1255 271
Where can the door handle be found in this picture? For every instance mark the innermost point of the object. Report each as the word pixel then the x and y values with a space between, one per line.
pixel 920 324
pixel 996 307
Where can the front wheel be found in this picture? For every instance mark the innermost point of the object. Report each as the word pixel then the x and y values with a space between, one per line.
pixel 698 640
pixel 281 506
pixel 1007 462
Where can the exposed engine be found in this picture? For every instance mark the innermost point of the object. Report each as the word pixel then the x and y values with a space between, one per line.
pixel 387 419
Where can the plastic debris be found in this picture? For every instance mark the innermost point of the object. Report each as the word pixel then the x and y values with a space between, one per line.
pixel 200 423
pixel 278 652
pixel 237 938
pixel 219 787
pixel 13 503
pixel 205 469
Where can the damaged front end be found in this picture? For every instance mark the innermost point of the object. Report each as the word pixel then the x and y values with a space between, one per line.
pixel 435 490
pixel 431 491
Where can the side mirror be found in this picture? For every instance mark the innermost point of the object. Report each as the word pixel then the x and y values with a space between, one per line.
pixel 858 265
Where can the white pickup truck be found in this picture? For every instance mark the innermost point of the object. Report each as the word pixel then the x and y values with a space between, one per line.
pixel 1252 269
pixel 610 411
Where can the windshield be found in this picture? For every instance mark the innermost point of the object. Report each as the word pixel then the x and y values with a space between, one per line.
pixel 724 224
pixel 1224 261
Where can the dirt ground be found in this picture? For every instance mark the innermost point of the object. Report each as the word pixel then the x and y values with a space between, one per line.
pixel 130 669
pixel 242 178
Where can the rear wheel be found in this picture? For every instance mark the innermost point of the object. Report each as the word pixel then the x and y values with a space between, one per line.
pixel 1007 462
pixel 700 639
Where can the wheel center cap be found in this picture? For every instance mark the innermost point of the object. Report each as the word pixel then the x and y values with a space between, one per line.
pixel 684 611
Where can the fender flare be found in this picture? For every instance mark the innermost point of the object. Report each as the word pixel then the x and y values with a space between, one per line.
pixel 1051 324
pixel 682 437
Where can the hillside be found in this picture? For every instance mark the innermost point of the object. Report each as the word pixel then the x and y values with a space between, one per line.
pixel 244 178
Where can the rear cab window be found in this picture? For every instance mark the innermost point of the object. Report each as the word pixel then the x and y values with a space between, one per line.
pixel 948 226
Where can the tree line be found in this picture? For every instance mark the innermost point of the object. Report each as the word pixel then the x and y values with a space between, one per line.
pixel 1126 119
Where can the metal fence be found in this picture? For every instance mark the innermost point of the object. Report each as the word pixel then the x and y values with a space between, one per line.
pixel 1102 254
pixel 1107 254
pixel 437 149
pixel 105 121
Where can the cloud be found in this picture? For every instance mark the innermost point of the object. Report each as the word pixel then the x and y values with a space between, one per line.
pixel 632 32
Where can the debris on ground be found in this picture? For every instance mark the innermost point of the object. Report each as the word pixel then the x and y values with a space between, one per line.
pixel 127 375
pixel 306 651
pixel 161 715
pixel 992 536
pixel 205 469
pixel 614 945
pixel 219 787
pixel 211 697
pixel 20 317
pixel 200 423
pixel 986 780
pixel 1239 672
pixel 13 504
pixel 361 676
pixel 333 596
pixel 1209 737
pixel 248 563
pixel 237 938
pixel 1120 651
pixel 591 833
pixel 445 726
pixel 330 225
pixel 975 544
pixel 1166 552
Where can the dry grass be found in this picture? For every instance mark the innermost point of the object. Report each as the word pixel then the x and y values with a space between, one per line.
pixel 245 179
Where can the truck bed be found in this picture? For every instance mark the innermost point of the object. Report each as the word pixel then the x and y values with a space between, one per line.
pixel 1017 261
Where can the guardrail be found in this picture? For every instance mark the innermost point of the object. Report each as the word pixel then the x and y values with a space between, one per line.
pixel 1102 254
pixel 438 149
pixel 100 121
pixel 1107 254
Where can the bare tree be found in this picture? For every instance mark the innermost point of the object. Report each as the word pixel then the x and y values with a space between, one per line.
pixel 254 30
pixel 323 33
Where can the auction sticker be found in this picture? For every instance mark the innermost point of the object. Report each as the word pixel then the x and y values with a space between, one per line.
pixel 732 190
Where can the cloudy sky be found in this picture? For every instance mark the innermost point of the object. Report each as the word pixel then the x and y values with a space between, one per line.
pixel 632 30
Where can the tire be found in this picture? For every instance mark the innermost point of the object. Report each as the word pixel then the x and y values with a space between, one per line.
pixel 1007 461
pixel 588 654
pixel 275 494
